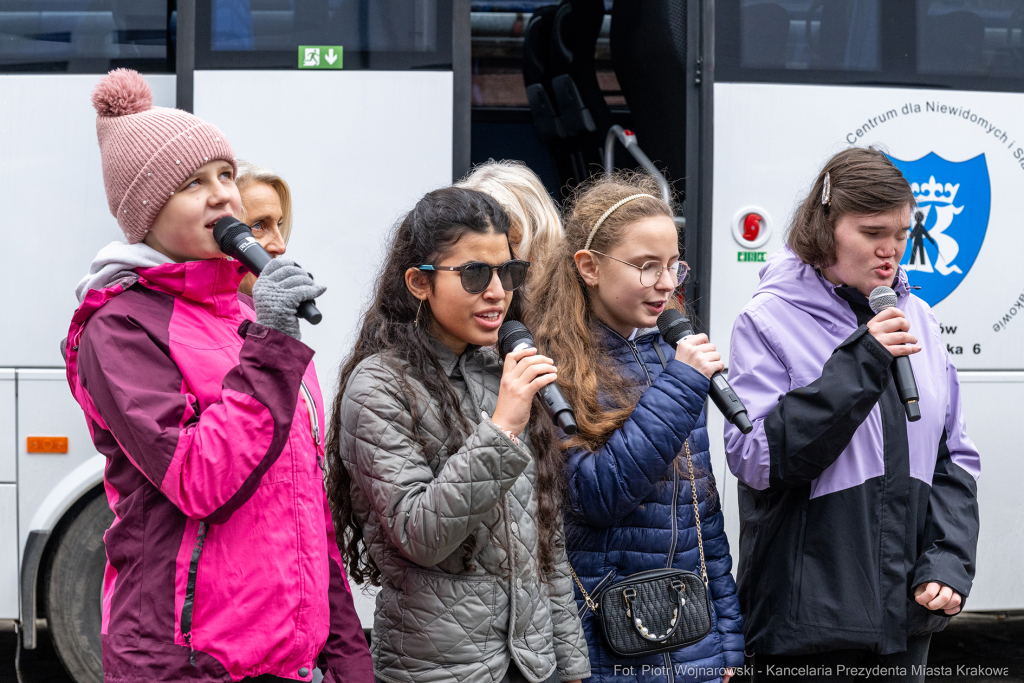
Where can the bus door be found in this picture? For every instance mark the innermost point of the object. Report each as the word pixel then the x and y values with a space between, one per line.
pixel 937 85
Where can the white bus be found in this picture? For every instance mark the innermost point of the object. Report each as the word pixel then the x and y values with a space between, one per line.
pixel 738 102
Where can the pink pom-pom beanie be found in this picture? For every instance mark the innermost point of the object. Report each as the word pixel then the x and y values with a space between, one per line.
pixel 147 151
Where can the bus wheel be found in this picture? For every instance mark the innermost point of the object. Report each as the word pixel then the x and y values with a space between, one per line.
pixel 74 592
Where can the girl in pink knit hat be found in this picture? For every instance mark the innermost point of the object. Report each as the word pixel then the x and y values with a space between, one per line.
pixel 222 563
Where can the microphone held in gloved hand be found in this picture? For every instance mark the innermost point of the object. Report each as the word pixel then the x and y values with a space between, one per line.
pixel 902 371
pixel 235 239
pixel 512 336
pixel 675 327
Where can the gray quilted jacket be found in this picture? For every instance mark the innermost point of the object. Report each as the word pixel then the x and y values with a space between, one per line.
pixel 442 616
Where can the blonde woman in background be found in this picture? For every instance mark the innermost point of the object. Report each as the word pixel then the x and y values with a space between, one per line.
pixel 536 226
pixel 267 208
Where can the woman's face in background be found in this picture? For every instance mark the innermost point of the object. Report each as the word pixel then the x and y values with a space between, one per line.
pixel 263 212
pixel 869 249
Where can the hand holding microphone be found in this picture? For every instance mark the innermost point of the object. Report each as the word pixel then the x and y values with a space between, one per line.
pixel 700 354
pixel 526 373
pixel 676 330
pixel 235 239
pixel 278 294
pixel 891 329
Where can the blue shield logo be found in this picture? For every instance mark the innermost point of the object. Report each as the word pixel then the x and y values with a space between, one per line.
pixel 949 224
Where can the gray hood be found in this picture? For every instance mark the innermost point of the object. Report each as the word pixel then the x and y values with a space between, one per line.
pixel 114 259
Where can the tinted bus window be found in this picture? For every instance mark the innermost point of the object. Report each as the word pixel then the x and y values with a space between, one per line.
pixel 387 34
pixel 84 36
pixel 810 34
pixel 961 44
pixel 970 37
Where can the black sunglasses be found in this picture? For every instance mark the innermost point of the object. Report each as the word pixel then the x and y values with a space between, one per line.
pixel 476 276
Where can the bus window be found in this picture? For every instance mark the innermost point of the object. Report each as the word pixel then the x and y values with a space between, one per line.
pixel 84 36
pixel 374 34
pixel 810 34
pixel 976 37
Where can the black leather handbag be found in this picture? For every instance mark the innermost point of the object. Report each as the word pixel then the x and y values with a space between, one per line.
pixel 657 610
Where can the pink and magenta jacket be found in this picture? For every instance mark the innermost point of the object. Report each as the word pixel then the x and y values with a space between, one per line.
pixel 221 561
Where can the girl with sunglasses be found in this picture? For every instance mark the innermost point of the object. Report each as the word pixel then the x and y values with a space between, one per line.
pixel 642 446
pixel 445 470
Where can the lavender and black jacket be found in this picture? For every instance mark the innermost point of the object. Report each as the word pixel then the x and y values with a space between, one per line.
pixel 845 507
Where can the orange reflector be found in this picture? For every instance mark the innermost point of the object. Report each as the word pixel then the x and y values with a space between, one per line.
pixel 47 444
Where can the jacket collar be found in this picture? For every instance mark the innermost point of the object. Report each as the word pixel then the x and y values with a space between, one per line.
pixel 614 341
pixel 447 358
pixel 212 283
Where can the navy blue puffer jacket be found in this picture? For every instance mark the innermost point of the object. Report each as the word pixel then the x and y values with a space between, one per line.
pixel 631 510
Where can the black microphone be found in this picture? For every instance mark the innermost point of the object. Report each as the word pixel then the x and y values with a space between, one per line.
pixel 513 335
pixel 902 371
pixel 235 239
pixel 675 327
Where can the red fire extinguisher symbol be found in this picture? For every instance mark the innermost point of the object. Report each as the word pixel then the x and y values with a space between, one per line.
pixel 751 226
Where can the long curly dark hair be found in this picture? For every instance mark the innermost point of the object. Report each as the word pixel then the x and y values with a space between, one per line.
pixel 390 328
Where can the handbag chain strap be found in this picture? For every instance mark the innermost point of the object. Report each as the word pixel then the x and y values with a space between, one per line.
pixel 696 514
pixel 700 539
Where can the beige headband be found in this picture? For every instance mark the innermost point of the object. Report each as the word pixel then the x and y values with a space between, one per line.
pixel 609 212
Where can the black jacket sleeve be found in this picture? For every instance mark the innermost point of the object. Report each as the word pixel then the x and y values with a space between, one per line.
pixel 811 426
pixel 950 543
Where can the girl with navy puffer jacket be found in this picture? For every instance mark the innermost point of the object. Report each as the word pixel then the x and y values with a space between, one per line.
pixel 636 400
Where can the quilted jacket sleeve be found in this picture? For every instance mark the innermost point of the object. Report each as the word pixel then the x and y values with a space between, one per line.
pixel 571 653
pixel 607 484
pixel 426 517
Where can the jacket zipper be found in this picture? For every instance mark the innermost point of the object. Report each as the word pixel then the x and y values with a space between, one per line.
pixel 314 425
pixel 636 355
pixel 190 591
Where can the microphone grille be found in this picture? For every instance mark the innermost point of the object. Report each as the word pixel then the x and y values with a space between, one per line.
pixel 511 333
pixel 673 326
pixel 881 298
pixel 226 230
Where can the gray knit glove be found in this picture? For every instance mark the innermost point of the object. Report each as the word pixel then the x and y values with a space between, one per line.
pixel 278 291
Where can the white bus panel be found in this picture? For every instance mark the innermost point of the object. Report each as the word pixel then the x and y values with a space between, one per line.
pixel 52 191
pixel 8 551
pixel 47 408
pixel 8 466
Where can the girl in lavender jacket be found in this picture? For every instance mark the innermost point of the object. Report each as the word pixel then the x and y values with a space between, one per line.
pixel 858 527
pixel 222 563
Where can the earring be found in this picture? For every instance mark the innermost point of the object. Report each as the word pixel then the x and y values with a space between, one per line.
pixel 416 320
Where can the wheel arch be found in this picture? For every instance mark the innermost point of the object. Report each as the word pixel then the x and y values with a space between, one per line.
pixel 55 513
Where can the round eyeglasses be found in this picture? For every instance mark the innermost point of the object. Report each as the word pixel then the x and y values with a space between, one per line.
pixel 476 276
pixel 650 271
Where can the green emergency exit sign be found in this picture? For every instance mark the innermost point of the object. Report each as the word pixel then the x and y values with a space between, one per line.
pixel 319 56
pixel 751 256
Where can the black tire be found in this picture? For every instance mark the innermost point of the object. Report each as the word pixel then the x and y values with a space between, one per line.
pixel 74 589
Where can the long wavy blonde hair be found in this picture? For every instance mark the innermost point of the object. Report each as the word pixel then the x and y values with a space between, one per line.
pixel 561 317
